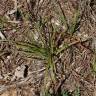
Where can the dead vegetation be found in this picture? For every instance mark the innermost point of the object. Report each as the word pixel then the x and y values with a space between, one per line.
pixel 47 47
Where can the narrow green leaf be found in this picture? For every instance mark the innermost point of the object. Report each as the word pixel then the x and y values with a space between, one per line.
pixel 65 93
pixel 32 48
pixel 77 92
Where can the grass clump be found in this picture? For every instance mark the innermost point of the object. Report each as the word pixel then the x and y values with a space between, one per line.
pixel 46 45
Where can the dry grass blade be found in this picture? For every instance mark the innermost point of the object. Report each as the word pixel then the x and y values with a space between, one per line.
pixel 75 24
pixel 66 46
pixel 63 16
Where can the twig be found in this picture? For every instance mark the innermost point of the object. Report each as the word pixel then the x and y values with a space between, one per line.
pixel 69 45
pixel 2 35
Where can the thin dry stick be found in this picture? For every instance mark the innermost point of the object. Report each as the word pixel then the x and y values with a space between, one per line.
pixel 71 44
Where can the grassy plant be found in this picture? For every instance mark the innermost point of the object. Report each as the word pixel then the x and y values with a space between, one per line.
pixel 46 48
